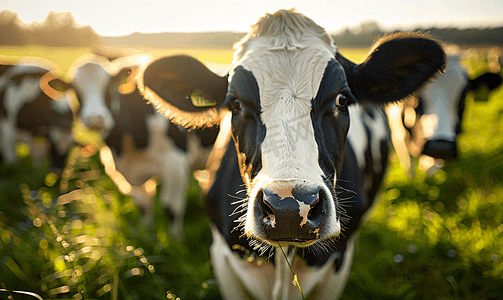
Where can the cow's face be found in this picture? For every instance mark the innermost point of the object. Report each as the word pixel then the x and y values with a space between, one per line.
pixel 439 109
pixel 95 83
pixel 91 83
pixel 289 109
pixel 288 91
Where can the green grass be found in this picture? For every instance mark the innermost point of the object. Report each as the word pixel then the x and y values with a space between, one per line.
pixel 76 236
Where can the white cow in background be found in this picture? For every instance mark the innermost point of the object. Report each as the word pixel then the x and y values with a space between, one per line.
pixel 426 127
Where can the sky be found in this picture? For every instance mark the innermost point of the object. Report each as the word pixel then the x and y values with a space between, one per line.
pixel 116 18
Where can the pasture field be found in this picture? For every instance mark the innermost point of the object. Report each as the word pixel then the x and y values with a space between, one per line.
pixel 75 236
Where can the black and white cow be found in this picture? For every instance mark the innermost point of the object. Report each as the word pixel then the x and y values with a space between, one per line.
pixel 430 123
pixel 27 113
pixel 301 150
pixel 94 80
pixel 141 145
pixel 146 145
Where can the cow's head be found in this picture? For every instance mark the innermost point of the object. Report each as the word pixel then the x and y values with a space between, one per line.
pixel 289 90
pixel 95 81
pixel 440 106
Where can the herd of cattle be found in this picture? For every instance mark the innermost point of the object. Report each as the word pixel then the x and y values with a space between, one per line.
pixel 294 138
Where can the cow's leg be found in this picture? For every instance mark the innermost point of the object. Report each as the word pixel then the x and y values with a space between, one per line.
pixel 8 134
pixel 175 176
pixel 173 167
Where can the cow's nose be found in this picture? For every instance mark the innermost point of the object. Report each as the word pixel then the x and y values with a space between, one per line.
pixel 95 122
pixel 440 149
pixel 293 218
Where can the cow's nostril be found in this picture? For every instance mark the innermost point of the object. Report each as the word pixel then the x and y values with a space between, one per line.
pixel 264 204
pixel 440 149
pixel 316 207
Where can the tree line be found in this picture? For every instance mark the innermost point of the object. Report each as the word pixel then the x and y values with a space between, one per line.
pixel 368 31
pixel 61 29
pixel 361 37
pixel 58 29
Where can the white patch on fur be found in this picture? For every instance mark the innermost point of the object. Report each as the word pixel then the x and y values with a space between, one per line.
pixel 303 212
pixel 357 137
pixel 18 95
pixel 330 284
pixel 8 133
pixel 239 278
pixel 236 277
pixel 361 141
pixel 379 133
pixel 14 98
pixel 440 102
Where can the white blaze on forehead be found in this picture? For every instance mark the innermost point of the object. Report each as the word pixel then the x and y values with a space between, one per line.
pixel 440 102
pixel 288 79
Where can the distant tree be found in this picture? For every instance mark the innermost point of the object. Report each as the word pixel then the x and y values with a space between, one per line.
pixel 11 32
pixel 57 29
pixel 365 33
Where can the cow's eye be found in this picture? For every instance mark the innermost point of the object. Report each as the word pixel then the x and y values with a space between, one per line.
pixel 341 100
pixel 235 104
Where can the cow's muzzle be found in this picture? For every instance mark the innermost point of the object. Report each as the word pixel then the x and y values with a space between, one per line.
pixel 294 219
pixel 441 149
pixel 95 122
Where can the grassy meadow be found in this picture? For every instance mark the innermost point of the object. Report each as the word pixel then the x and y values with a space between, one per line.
pixel 75 236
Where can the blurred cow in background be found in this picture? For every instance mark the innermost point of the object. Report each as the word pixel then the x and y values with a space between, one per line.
pixel 94 80
pixel 26 113
pixel 426 127
pixel 142 147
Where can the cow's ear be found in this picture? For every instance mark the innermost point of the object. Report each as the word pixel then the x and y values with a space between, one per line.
pixel 488 80
pixel 396 67
pixel 484 84
pixel 184 90
pixel 123 81
pixel 54 87
pixel 122 76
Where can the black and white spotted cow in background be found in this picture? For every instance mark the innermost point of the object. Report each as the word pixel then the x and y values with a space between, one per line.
pixel 142 147
pixel 301 150
pixel 26 113
pixel 94 80
pixel 428 125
